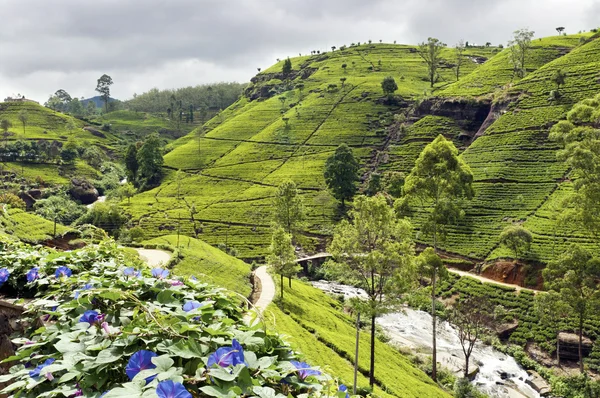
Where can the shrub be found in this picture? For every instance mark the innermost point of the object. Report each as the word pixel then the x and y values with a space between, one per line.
pixel 12 200
pixel 580 114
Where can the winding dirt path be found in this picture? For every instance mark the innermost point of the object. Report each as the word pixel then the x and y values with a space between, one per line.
pixel 488 280
pixel 154 258
pixel 267 293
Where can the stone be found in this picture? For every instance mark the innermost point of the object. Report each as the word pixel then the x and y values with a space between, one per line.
pixel 538 383
pixel 29 201
pixel 504 330
pixel 83 191
pixel 472 372
pixel 569 346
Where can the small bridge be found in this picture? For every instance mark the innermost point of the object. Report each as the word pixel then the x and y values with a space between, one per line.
pixel 316 259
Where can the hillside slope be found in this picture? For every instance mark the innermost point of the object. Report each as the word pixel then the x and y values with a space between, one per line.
pixel 286 129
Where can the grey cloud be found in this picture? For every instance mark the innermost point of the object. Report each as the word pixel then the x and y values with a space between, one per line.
pixel 147 43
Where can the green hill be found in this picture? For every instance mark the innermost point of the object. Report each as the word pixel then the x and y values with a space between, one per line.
pixel 279 130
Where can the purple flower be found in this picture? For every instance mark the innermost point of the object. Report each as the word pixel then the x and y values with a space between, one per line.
pixel 91 317
pixel 193 278
pixel 105 327
pixel 38 369
pixel 139 361
pixel 176 283
pixel 227 356
pixel 343 388
pixel 32 274
pixel 4 274
pixel 304 370
pixel 191 305
pixel 63 271
pixel 170 389
pixel 130 271
pixel 160 273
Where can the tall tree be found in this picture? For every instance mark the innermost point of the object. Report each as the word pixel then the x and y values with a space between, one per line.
pixel 559 77
pixel 375 248
pixel 471 317
pixel 459 50
pixel 131 163
pixel 574 276
pixel 519 50
pixel 5 124
pixel 431 52
pixel 552 311
pixel 441 180
pixel 288 209
pixel 341 173
pixel 560 29
pixel 23 117
pixel 282 257
pixel 389 86
pixel 64 98
pixel 518 240
pixel 103 87
pixel 150 161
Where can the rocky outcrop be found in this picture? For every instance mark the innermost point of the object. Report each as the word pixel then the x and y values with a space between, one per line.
pixel 83 191
pixel 469 114
pixel 504 330
pixel 569 346
pixel 95 132
pixel 28 199
pixel 538 383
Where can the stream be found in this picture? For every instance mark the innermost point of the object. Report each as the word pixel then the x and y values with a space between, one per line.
pixel 499 375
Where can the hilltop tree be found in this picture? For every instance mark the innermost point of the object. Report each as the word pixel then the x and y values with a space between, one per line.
pixel 58 209
pixel 471 317
pixel 431 53
pixel 552 311
pixel 459 49
pixel 341 173
pixel 389 86
pixel 126 191
pixel 440 179
pixel 288 210
pixel 150 161
pixel 560 29
pixel 519 50
pixel 517 239
pixel 574 276
pixel 75 107
pixel 282 257
pixel 559 77
pixel 90 108
pixel 103 87
pixel 375 248
pixel 23 117
pixel 287 67
pixel 131 162
pixel 64 97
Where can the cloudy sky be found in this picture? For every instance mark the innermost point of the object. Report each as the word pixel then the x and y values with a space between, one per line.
pixel 50 44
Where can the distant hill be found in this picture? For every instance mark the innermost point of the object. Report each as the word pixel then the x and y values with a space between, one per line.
pixel 97 100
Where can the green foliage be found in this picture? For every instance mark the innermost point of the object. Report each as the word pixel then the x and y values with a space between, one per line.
pixel 517 239
pixel 106 215
pixel 287 67
pixel 142 312
pixel 150 161
pixel 12 200
pixel 103 87
pixel 389 86
pixel 464 389
pixel 559 78
pixel 288 209
pixel 282 257
pixel 59 209
pixel 341 173
pixel 520 45
pixel 580 114
pixel 131 162
pixel 431 52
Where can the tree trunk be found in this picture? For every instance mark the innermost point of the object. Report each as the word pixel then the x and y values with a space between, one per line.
pixel 356 352
pixel 281 289
pixel 433 316
pixel 557 348
pixel 372 369
pixel 580 343
pixel 290 281
pixel 467 365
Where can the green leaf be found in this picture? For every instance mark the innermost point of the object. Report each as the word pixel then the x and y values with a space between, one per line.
pixel 185 349
pixel 163 363
pixel 69 346
pixel 212 391
pixel 165 297
pixel 109 355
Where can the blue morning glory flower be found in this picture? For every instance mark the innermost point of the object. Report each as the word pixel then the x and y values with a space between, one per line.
pixel 304 370
pixel 170 389
pixel 191 305
pixel 160 273
pixel 32 274
pixel 139 361
pixel 193 278
pixel 87 286
pixel 227 356
pixel 4 274
pixel 91 317
pixel 38 369
pixel 343 388
pixel 63 271
pixel 130 271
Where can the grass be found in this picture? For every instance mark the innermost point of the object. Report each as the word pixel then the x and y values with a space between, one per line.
pixel 208 264
pixel 28 227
